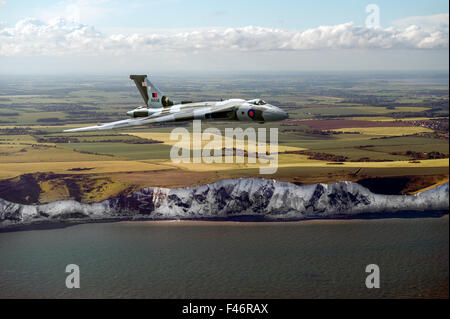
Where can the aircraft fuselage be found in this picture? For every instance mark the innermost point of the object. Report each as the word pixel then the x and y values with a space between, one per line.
pixel 243 111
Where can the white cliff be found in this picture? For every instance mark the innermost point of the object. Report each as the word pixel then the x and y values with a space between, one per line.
pixel 254 197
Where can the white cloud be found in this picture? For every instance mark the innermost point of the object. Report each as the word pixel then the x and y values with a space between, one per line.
pixel 429 23
pixel 59 36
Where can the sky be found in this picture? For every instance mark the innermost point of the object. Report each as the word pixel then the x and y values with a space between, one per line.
pixel 111 36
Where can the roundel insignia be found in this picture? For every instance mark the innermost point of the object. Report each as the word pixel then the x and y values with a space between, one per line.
pixel 251 113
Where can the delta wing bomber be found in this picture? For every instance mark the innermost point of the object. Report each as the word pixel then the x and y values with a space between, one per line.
pixel 160 109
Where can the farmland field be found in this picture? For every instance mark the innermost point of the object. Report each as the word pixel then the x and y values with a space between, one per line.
pixel 341 126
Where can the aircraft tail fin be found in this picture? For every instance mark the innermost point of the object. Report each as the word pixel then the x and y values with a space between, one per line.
pixel 141 85
pixel 152 96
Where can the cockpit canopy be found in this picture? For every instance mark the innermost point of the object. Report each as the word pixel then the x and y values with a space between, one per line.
pixel 256 102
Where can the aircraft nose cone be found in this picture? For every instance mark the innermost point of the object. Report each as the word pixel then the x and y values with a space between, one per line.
pixel 130 113
pixel 275 114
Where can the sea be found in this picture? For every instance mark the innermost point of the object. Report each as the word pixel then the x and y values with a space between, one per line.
pixel 207 259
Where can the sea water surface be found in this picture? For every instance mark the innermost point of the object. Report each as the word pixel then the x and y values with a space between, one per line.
pixel 310 259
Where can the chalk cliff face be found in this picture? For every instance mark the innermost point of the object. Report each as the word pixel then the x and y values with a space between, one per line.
pixel 230 198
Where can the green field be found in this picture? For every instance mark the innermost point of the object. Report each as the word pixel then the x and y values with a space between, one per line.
pixel 123 150
pixel 34 112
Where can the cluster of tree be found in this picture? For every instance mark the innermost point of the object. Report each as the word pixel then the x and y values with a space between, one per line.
pixel 9 114
pixel 141 141
pixel 308 131
pixel 320 156
pixel 48 120
pixel 236 152
pixel 14 131
pixel 421 155
pixel 368 159
pixel 314 131
pixel 56 139
pixel 71 139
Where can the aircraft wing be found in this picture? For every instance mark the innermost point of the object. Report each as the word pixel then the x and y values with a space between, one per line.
pixel 108 126
pixel 169 116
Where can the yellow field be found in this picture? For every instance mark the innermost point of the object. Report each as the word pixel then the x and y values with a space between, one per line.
pixel 25 149
pixel 444 162
pixel 16 139
pixel 9 170
pixel 42 158
pixel 165 138
pixel 46 154
pixel 106 176
pixel 386 131
pixel 294 160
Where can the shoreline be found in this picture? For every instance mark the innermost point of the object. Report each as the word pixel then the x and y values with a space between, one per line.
pixel 265 223
pixel 227 222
